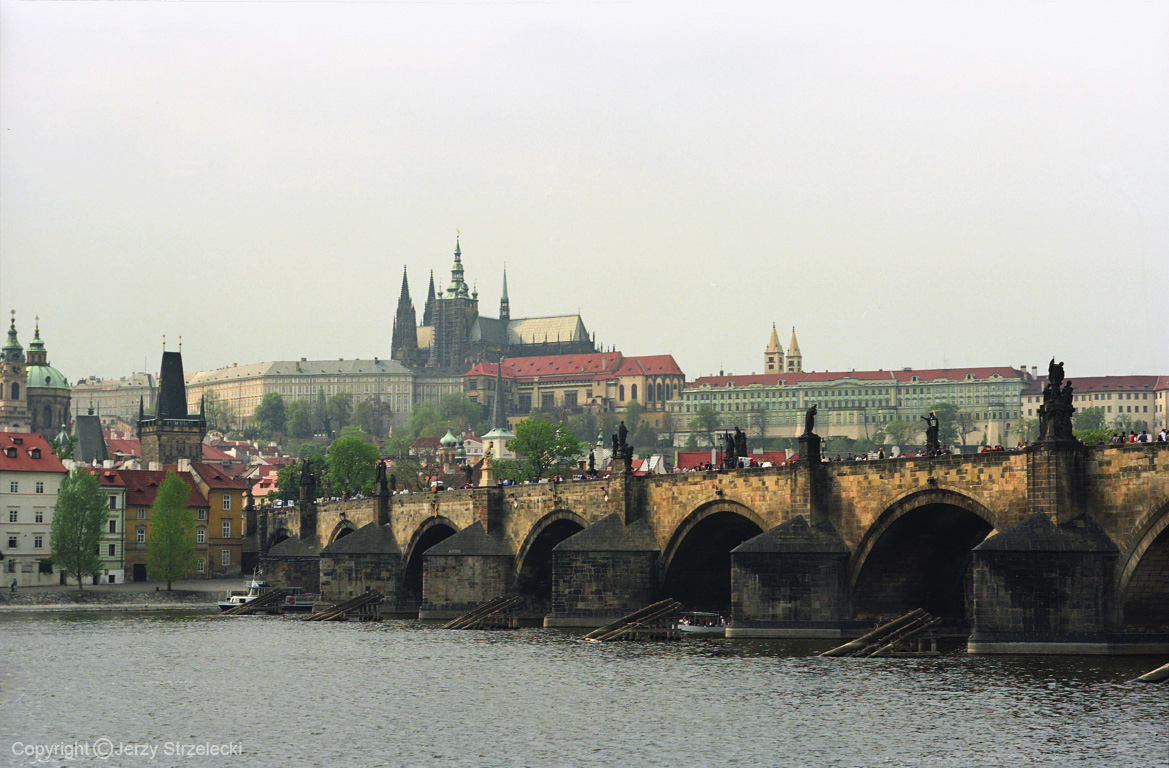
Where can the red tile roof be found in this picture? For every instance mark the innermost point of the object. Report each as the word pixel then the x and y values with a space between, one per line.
pixel 217 477
pixel 124 447
pixel 598 365
pixel 649 365
pixel 142 486
pixel 107 477
pixel 767 380
pixel 695 459
pixel 958 374
pixel 1104 384
pixel 18 449
pixel 214 454
pixel 812 377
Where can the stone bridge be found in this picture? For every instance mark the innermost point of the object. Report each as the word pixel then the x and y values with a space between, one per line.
pixel 1059 548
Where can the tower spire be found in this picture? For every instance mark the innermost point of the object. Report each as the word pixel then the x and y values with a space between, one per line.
pixel 773 355
pixel 504 304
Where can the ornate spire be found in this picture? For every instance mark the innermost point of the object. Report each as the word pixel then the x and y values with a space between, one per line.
pixel 458 286
pixel 404 341
pixel 13 352
pixel 504 304
pixel 428 310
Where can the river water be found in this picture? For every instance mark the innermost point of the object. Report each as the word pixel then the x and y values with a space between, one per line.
pixel 287 693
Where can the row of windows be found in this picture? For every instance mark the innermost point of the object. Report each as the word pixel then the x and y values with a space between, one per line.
pixel 38 515
pixel 224 559
pixel 1098 396
pixel 14 486
pixel 38 541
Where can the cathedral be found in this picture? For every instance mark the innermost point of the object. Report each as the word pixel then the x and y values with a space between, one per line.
pixel 34 396
pixel 453 337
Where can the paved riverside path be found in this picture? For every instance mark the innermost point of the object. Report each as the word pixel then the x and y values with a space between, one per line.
pixel 190 594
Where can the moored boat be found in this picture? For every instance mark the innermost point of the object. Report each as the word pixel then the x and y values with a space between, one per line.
pixel 701 623
pixel 296 601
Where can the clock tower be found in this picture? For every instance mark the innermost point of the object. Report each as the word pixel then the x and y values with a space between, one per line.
pixel 14 415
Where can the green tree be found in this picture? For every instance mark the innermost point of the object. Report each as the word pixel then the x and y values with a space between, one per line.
pixel 692 441
pixel 423 415
pixel 707 420
pixel 545 446
pixel 1025 430
pixel 460 410
pixel 352 463
pixel 1089 418
pixel 298 419
pixel 340 411
pixel 373 416
pixel 270 413
pixel 964 424
pixel 216 412
pixel 321 418
pixel 170 550
pixel 63 449
pixel 79 517
pixel 669 429
pixel 632 416
pixel 899 432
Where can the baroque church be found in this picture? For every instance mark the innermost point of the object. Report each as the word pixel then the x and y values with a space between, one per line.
pixel 453 337
pixel 34 396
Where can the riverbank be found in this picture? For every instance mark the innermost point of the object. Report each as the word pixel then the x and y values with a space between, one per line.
pixel 187 595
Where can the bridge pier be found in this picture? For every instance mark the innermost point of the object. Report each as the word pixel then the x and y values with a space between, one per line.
pixel 603 573
pixel 791 581
pixel 464 571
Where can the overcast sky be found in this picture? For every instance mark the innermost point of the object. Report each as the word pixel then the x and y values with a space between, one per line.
pixel 907 185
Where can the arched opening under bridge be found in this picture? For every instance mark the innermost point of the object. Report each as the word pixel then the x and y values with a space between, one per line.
pixel 698 559
pixel 534 574
pixel 432 532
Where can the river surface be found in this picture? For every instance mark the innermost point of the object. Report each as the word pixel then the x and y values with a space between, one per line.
pixel 287 693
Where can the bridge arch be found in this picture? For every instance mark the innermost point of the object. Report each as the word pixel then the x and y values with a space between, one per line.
pixel 917 555
pixel 696 563
pixel 431 531
pixel 341 530
pixel 533 563
pixel 279 535
pixel 1143 593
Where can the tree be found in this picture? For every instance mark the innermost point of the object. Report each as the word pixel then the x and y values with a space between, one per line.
pixel 298 419
pixel 352 463
pixel 423 415
pixel 78 519
pixel 1025 430
pixel 545 446
pixel 372 416
pixel 899 432
pixel 460 410
pixel 216 412
pixel 692 442
pixel 63 449
pixel 321 418
pixel 964 424
pixel 1089 418
pixel 707 419
pixel 633 411
pixel 170 550
pixel 269 415
pixel 340 410
pixel 669 428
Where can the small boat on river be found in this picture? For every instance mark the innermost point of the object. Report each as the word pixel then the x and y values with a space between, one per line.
pixel 701 623
pixel 296 601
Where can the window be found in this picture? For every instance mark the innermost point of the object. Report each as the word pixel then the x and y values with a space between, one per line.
pixel 141 513
pixel 202 514
pixel 11 541
pixel 38 542
pixel 141 535
pixel 38 515
pixel 113 526
pixel 226 502
pixel 13 516
pixel 202 566
pixel 14 487
pixel 40 487
pixel 225 557
pixel 201 535
pixel 227 529
pixel 113 550
pixel 113 501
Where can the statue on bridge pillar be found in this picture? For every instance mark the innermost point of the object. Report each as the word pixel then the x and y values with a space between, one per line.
pixel 740 443
pixel 809 440
pixel 1055 414
pixel 810 420
pixel 933 445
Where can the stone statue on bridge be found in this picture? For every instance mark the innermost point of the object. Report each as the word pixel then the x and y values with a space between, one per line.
pixel 1055 414
pixel 740 443
pixel 933 445
pixel 810 420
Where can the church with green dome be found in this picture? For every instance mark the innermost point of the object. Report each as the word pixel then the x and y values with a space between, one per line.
pixel 35 395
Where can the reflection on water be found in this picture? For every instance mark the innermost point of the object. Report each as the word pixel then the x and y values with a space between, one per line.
pixel 406 693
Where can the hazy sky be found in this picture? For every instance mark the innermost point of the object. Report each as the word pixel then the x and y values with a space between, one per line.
pixel 907 185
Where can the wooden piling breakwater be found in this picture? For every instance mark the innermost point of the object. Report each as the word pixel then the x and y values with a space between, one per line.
pixel 1158 675
pixel 497 613
pixel 364 607
pixel 653 622
pixel 270 602
pixel 892 638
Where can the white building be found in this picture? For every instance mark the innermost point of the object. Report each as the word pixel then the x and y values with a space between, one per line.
pixel 30 476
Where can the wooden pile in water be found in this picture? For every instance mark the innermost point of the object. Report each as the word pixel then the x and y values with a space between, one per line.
pixel 1158 675
pixel 364 607
pixel 497 613
pixel 653 622
pixel 270 601
pixel 892 639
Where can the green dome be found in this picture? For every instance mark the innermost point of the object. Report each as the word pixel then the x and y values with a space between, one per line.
pixel 45 377
pixel 448 440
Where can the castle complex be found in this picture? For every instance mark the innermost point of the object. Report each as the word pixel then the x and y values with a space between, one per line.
pixel 454 337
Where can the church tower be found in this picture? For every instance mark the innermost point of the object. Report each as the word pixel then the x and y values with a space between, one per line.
pixel 504 305
pixel 773 355
pixel 454 314
pixel 428 310
pixel 14 416
pixel 48 391
pixel 171 433
pixel 404 345
pixel 795 361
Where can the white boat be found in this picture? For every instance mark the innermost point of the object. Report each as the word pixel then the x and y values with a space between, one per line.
pixel 701 623
pixel 295 601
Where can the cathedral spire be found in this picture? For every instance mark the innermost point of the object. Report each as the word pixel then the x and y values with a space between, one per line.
pixel 428 310
pixel 504 305
pixel 773 355
pixel 404 342
pixel 795 360
pixel 458 286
